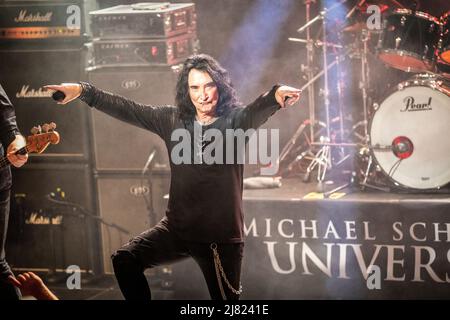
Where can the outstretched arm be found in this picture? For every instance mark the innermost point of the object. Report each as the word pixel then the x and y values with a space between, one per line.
pixel 157 119
pixel 257 112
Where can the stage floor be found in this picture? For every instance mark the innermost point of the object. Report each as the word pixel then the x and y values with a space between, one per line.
pixel 296 190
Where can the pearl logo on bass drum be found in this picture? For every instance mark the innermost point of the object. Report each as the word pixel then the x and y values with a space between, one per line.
pixel 411 105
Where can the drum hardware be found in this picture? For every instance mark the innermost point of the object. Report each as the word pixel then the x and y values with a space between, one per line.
pixel 364 86
pixel 324 154
pixel 292 143
pixel 397 142
pixel 317 43
pixel 309 70
pixel 322 158
pixel 361 175
pixel 310 44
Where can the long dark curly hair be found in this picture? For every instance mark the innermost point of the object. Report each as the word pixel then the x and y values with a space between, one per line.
pixel 227 94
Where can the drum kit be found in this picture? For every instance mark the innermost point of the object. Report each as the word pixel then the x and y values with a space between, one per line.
pixel 398 143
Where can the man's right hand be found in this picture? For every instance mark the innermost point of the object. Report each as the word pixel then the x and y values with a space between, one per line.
pixel 71 90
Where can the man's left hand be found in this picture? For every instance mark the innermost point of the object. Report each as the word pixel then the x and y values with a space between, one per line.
pixel 17 160
pixel 286 95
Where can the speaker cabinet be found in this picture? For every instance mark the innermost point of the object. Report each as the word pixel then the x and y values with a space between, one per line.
pixel 24 72
pixel 117 144
pixel 48 235
pixel 129 204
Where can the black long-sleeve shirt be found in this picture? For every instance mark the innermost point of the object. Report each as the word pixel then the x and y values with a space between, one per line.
pixel 205 200
pixel 8 131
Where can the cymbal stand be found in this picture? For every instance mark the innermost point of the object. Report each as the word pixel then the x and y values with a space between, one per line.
pixel 309 71
pixel 320 125
pixel 340 90
pixel 310 85
pixel 322 159
pixel 364 85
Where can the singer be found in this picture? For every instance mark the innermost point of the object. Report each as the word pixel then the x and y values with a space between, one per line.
pixel 204 218
pixel 9 137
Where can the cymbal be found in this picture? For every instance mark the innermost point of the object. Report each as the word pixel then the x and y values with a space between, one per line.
pixel 361 17
pixel 355 28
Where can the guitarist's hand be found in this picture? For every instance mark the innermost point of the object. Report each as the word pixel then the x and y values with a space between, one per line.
pixel 17 160
pixel 71 90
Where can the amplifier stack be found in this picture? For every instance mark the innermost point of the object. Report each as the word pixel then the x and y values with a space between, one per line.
pixel 144 34
pixel 42 42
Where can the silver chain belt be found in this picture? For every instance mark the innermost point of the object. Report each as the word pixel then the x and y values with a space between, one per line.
pixel 221 273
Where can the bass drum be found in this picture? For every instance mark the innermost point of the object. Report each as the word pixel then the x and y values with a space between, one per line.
pixel 409 134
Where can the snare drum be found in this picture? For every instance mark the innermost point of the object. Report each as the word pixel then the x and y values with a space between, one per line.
pixel 408 134
pixel 409 40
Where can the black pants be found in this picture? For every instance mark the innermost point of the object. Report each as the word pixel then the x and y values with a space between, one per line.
pixel 160 246
pixel 7 291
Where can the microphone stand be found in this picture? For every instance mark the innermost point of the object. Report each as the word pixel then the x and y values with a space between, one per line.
pixel 84 213
pixel 149 202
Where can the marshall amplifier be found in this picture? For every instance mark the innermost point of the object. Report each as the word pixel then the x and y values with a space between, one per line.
pixel 44 234
pixel 144 52
pixel 43 20
pixel 118 145
pixel 23 73
pixel 130 201
pixel 144 20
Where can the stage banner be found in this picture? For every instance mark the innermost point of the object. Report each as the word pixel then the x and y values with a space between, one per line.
pixel 339 249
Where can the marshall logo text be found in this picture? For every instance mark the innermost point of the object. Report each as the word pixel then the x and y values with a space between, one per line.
pixel 25 17
pixel 26 92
